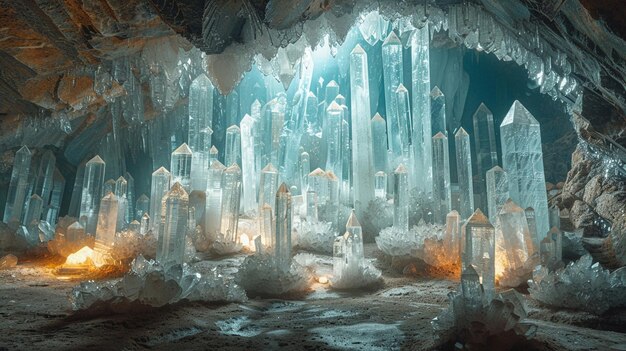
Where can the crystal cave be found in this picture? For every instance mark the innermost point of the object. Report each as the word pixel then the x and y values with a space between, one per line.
pixel 328 175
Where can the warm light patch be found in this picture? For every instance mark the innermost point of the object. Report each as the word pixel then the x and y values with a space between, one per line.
pixel 81 256
pixel 322 280
pixel 244 240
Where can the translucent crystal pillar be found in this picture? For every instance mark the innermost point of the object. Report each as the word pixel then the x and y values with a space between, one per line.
pixel 421 127
pixel 404 120
pixel 144 226
pixel 318 182
pixel 497 190
pixel 75 232
pixel 18 185
pixel 380 185
pixel 56 198
pixel 305 169
pixel 171 245
pixel 121 189
pixel 160 185
pixel 452 234
pixel 181 166
pixel 334 117
pixel 401 199
pixel 130 197
pixel 393 77
pixel 311 206
pixel 213 212
pixel 107 221
pixel 44 175
pixel 363 166
pixel 522 158
pixel 464 172
pixel 142 206
pixel 31 217
pixel 514 244
pixel 231 193
pixel 484 140
pixel 248 164
pixel 266 224
pixel 77 190
pixel 442 198
pixel 438 111
pixel 213 155
pixel 478 250
pixel 92 194
pixel 232 154
pixel 200 159
pixel 529 212
pixel 379 143
pixel 282 244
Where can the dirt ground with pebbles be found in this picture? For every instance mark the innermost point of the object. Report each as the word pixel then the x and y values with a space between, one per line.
pixel 36 315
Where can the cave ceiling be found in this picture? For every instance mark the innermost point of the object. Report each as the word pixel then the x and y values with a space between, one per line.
pixel 50 49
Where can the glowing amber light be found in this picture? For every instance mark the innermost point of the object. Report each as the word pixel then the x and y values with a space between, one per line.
pixel 80 257
pixel 322 280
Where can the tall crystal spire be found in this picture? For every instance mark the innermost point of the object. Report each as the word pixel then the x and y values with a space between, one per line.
pixel 231 193
pixel 393 77
pixel 142 206
pixel 334 117
pixel 348 257
pixel 452 234
pixel 107 221
pixel 171 245
pixel 77 190
pixel 380 185
pixel 478 250
pixel 497 190
pixel 161 179
pixel 484 140
pixel 404 120
pixel 181 166
pixel 305 169
pixel 92 193
pixel 34 208
pixel 379 143
pixel 522 158
pixel 514 245
pixel 200 113
pixel 442 198
pixel 464 172
pixel 268 184
pixel 363 166
pixel 44 175
pixel 56 198
pixel 16 196
pixel 213 210
pixel 421 127
pixel 232 154
pixel 282 247
pixel 248 165
pixel 130 196
pixel 121 189
pixel 438 111
pixel 401 199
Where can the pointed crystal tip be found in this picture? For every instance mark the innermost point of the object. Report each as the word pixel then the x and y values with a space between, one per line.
pixel 35 197
pixel 400 169
pixel 470 274
pixel 232 129
pixel 334 106
pixel 332 83
pixel 75 225
pixel 23 149
pixel 510 206
pixel 401 89
pixel 161 170
pixel 202 80
pixel 182 150
pixel 436 92
pixel 246 119
pixel 318 172
pixel 461 132
pixel 358 50
pixel 234 168
pixel 216 164
pixel 121 180
pixel 269 168
pixel 177 190
pixel 213 150
pixel 331 176
pixel 95 159
pixel 483 109
pixel 439 135
pixel 378 118
pixel 283 188
pixel 496 169
pixel 518 114
pixel 310 95
pixel 352 220
pixel 453 213
pixel 143 197
pixel 478 218
pixel 392 39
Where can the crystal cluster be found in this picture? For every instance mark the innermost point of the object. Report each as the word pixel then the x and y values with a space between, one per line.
pixel 476 319
pixel 150 283
pixel 582 284
pixel 394 242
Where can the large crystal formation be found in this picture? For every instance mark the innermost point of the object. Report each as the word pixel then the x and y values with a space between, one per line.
pixel 464 172
pixel 421 125
pixel 77 190
pixel 56 198
pixel 379 143
pixel 334 117
pixel 442 199
pixel 282 233
pixel 522 158
pixel 107 221
pixel 213 214
pixel 232 155
pixel 44 176
pixel 401 199
pixel 231 193
pixel 497 190
pixel 393 77
pixel 142 206
pixel 452 234
pixel 248 164
pixel 478 250
pixel 362 163
pixel 161 179
pixel 174 215
pixel 32 215
pixel 350 269
pixel 16 196
pixel 514 244
pixel 121 191
pixel 153 284
pixel 200 131
pixel 181 166
pixel 484 141
pixel 438 112
pixel 582 284
pixel 92 193
pixel 475 318
pixel 268 184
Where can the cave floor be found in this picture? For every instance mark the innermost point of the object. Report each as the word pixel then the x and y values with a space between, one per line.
pixel 36 313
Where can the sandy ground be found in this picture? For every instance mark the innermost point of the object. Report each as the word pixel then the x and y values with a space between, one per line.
pixel 36 315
